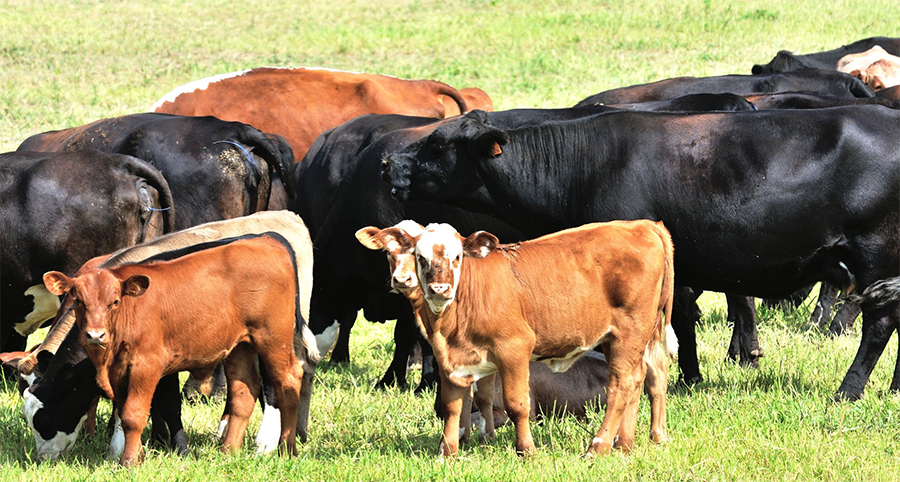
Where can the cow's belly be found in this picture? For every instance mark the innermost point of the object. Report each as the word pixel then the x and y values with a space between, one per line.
pixel 477 371
pixel 562 363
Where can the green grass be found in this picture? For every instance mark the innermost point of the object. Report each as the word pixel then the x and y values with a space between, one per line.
pixel 66 63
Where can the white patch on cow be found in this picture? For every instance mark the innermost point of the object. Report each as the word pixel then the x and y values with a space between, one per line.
pixel 434 237
pixel 850 275
pixel 29 378
pixel 671 342
pixel 326 340
pixel 410 227
pixel 117 442
pixel 203 84
pixel 223 426
pixel 55 446
pixel 46 305
pixel 477 372
pixel 269 430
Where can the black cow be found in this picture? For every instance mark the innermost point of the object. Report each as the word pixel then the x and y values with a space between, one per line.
pixel 785 61
pixel 814 100
pixel 57 210
pixel 759 203
pixel 337 196
pixel 216 169
pixel 820 81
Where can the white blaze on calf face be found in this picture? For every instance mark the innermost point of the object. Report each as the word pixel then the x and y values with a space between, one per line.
pixel 438 263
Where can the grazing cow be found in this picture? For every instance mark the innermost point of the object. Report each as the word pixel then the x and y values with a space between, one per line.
pixel 823 81
pixel 302 103
pixel 572 392
pixel 785 61
pixel 714 179
pixel 551 299
pixel 877 68
pixel 57 411
pixel 58 210
pixel 139 322
pixel 208 162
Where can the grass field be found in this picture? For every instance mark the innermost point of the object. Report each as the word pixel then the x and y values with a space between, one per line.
pixel 66 63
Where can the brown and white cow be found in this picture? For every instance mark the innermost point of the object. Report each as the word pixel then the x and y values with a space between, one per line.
pixel 550 299
pixel 140 322
pixel 876 67
pixel 299 104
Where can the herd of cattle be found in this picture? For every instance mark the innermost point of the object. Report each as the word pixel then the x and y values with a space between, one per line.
pixel 615 213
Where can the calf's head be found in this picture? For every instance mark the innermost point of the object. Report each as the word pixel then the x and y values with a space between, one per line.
pixel 439 257
pixel 399 243
pixel 97 296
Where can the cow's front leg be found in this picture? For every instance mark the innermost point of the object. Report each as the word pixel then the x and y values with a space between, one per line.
pixel 134 412
pixel 451 406
pixel 514 375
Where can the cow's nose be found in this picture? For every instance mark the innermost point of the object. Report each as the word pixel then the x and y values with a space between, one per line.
pixel 95 337
pixel 403 280
pixel 385 166
pixel 442 289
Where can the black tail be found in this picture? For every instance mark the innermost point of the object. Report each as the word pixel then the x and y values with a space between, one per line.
pixel 156 179
pixel 275 151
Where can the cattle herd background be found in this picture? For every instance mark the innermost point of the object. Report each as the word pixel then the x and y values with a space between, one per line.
pixel 256 213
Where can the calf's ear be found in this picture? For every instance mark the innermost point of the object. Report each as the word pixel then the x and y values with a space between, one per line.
pixel 135 285
pixel 368 237
pixel 57 283
pixel 490 142
pixel 480 243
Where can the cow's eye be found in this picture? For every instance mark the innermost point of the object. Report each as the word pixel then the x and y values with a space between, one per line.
pixel 115 302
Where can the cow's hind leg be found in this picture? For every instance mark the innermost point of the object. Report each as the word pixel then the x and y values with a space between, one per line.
pixel 286 376
pixel 624 358
pixel 484 400
pixel 875 335
pixel 167 426
pixel 656 385
pixel 243 386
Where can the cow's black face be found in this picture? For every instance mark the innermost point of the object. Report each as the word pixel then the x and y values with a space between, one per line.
pixel 444 166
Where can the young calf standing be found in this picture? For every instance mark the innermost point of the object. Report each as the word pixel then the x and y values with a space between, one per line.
pixel 550 299
pixel 142 321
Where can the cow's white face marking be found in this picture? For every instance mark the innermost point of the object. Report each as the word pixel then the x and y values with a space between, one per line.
pixel 117 442
pixel 29 378
pixel 325 341
pixel 46 305
pixel 269 430
pixel 55 446
pixel 477 372
pixel 439 247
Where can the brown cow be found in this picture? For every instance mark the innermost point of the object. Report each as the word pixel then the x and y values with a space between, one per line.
pixel 876 67
pixel 555 298
pixel 299 104
pixel 142 321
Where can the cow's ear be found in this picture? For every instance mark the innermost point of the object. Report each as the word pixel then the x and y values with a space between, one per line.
pixel 860 74
pixel 135 285
pixel 490 142
pixel 11 358
pixel 57 283
pixel 480 243
pixel 368 237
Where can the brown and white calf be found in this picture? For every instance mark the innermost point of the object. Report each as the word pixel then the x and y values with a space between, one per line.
pixel 550 299
pixel 142 321
pixel 876 67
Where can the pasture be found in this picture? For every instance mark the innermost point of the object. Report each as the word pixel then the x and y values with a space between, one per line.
pixel 68 63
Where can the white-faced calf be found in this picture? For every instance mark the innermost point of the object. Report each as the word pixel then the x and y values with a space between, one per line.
pixel 491 309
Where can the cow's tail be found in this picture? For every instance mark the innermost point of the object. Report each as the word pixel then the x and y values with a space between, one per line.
pixel 667 293
pixel 275 151
pixel 880 297
pixel 441 88
pixel 157 181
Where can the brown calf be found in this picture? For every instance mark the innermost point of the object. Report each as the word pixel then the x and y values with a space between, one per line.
pixel 142 321
pixel 553 299
pixel 876 67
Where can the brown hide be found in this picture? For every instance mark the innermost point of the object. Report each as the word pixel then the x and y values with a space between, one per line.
pixel 299 104
pixel 151 319
pixel 876 67
pixel 553 297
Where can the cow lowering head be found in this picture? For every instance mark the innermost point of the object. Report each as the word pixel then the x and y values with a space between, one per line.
pixel 398 242
pixel 439 257
pixel 445 163
pixel 97 295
